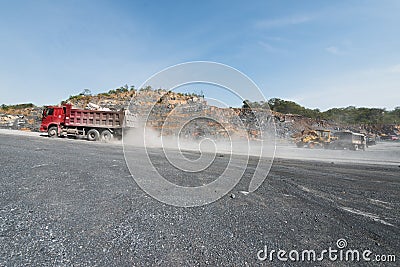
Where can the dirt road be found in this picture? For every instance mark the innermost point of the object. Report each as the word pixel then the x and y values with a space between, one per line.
pixel 72 202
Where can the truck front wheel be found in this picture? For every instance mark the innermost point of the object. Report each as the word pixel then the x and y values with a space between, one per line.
pixel 93 135
pixel 300 144
pixel 52 132
pixel 106 136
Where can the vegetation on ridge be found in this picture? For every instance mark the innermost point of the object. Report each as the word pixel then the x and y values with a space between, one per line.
pixel 347 115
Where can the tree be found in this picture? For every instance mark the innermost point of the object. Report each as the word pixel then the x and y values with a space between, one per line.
pixel 246 104
pixel 86 92
pixel 147 88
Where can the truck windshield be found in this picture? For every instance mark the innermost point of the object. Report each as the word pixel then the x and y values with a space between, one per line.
pixel 47 112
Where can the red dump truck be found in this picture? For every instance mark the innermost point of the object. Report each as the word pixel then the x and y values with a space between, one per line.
pixel 91 124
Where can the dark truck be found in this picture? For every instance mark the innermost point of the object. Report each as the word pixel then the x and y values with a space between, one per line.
pixel 349 140
pixel 60 121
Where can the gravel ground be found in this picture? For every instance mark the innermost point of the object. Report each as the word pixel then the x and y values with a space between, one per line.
pixel 67 202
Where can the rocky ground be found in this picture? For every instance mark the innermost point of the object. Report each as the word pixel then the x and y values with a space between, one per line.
pixel 66 202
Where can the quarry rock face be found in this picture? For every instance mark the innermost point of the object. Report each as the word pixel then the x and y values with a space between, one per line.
pixel 28 119
pixel 189 116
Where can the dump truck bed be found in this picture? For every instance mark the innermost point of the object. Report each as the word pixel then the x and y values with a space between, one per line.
pixel 94 118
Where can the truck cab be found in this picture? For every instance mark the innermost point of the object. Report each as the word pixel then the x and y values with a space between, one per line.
pixel 52 117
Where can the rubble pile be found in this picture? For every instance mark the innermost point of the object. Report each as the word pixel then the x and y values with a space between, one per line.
pixel 174 113
pixel 104 101
pixel 189 115
pixel 382 130
pixel 27 119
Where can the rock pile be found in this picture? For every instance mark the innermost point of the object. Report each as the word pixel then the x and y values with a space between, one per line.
pixel 189 115
pixel 27 119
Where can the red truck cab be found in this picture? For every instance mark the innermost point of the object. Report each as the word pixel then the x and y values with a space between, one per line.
pixel 54 116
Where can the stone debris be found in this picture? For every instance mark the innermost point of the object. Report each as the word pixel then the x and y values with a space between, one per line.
pixel 28 119
pixel 93 106
pixel 190 116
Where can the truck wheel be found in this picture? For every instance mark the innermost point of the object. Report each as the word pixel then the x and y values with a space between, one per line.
pixel 106 136
pixel 93 135
pixel 299 144
pixel 52 132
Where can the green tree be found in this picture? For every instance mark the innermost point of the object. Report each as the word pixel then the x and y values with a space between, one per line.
pixel 86 92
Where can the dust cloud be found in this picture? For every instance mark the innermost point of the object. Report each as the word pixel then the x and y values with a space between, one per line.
pixel 151 138
pixel 381 153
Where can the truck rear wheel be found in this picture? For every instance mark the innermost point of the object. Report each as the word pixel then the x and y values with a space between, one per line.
pixel 300 144
pixel 52 131
pixel 93 135
pixel 106 136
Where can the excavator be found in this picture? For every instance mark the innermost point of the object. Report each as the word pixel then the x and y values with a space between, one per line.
pixel 315 138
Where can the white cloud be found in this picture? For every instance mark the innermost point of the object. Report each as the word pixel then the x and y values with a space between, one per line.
pixel 267 46
pixel 333 50
pixel 340 48
pixel 275 38
pixel 271 48
pixel 388 70
pixel 351 95
pixel 395 69
pixel 363 88
pixel 280 22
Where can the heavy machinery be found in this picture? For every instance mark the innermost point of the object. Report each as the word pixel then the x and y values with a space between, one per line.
pixel 349 140
pixel 315 139
pixel 371 139
pixel 91 124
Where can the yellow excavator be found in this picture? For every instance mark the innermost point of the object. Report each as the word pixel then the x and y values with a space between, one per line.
pixel 315 139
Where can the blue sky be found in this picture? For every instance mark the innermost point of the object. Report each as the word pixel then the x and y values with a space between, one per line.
pixel 321 54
